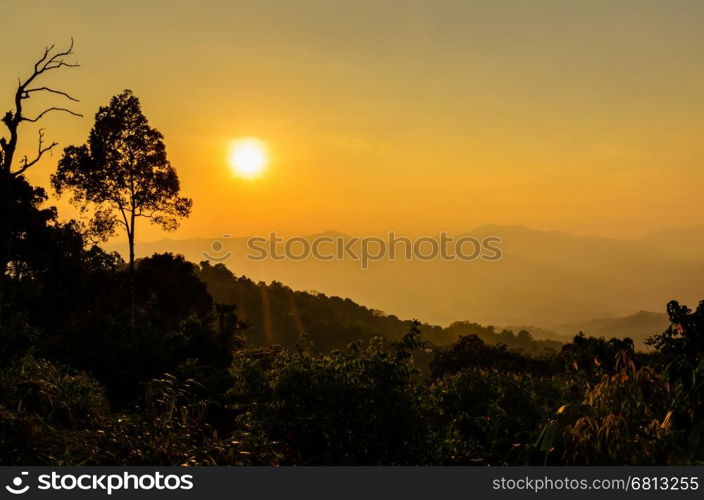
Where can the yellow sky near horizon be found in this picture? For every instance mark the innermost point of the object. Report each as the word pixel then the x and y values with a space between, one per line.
pixel 412 116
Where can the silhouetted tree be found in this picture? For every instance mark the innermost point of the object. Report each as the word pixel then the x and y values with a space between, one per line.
pixel 122 173
pixel 471 352
pixel 26 88
pixel 592 355
pixel 685 336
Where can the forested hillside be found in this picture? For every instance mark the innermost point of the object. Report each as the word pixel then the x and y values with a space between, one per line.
pixel 276 314
pixel 549 279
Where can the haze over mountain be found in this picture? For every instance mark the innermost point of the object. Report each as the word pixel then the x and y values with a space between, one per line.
pixel 550 279
pixel 639 327
pixel 685 242
pixel 276 314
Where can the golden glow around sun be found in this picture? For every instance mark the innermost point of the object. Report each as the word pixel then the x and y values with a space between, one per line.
pixel 248 157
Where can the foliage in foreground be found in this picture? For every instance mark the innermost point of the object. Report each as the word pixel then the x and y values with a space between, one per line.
pixel 368 404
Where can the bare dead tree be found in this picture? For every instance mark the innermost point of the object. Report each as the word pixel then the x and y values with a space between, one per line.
pixel 51 60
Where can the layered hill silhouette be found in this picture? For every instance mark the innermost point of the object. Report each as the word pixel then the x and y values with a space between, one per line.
pixel 277 314
pixel 685 243
pixel 638 327
pixel 554 280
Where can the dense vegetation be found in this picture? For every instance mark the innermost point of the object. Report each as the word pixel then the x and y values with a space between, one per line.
pixel 330 383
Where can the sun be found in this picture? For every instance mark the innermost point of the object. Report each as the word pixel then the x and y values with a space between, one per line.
pixel 248 157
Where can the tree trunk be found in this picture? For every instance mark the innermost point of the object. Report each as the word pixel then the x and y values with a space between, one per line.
pixel 133 305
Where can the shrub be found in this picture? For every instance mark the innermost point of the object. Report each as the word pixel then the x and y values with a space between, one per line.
pixel 49 414
pixel 359 407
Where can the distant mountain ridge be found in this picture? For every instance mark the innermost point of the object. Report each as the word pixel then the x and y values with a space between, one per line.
pixel 276 314
pixel 638 326
pixel 546 278
pixel 686 243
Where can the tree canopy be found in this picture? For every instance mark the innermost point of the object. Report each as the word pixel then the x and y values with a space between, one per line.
pixel 122 173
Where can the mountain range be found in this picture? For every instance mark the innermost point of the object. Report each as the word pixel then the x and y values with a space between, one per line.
pixel 559 282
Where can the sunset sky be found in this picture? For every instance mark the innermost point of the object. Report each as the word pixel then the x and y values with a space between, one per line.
pixel 413 116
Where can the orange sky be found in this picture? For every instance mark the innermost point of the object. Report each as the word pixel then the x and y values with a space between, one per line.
pixel 413 116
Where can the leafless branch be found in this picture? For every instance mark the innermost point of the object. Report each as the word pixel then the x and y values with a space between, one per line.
pixel 41 149
pixel 46 54
pixel 48 89
pixel 53 108
pixel 47 62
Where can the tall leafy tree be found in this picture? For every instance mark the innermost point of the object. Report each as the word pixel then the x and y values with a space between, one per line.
pixel 121 175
